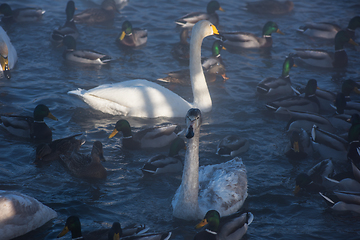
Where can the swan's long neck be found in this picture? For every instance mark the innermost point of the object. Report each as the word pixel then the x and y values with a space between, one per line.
pixel 202 99
pixel 187 204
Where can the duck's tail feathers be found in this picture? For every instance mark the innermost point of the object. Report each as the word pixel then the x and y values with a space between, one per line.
pixel 105 59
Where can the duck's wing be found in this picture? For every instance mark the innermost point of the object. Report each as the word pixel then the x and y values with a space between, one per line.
pixel 191 18
pixel 236 227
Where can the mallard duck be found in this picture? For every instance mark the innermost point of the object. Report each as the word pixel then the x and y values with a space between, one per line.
pixel 132 37
pixel 213 66
pixel 166 164
pixel 232 145
pixel 181 50
pixel 250 40
pixel 308 103
pixel 190 19
pixel 21 14
pixel 354 131
pixel 342 105
pixel 270 7
pixel 97 15
pixel 235 228
pixel 221 187
pixel 154 137
pixel 345 201
pixel 52 151
pixel 142 98
pixel 21 214
pixel 305 120
pixel 8 54
pixel 74 226
pixel 30 127
pixel 329 30
pixel 299 146
pixel 329 145
pixel 313 179
pixel 324 59
pixel 69 27
pixel 278 87
pixel 82 56
pixel 86 166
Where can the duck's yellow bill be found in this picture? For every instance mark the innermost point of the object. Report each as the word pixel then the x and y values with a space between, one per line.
pixel 63 232
pixel 221 9
pixel 122 35
pixel 201 224
pixel 116 236
pixel 356 90
pixel 113 133
pixel 353 43
pixel 52 116
pixel 296 147
pixel 297 189
pixel 223 48
pixel 280 32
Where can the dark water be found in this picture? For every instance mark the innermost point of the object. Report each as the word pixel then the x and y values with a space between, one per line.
pixel 42 76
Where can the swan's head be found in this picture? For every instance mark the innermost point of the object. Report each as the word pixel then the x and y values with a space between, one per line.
pixel 193 121
pixel 206 27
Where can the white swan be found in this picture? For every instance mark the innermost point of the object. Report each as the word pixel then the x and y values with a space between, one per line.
pixel 221 187
pixel 8 55
pixel 142 98
pixel 21 214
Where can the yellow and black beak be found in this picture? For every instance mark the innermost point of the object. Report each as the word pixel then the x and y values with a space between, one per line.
pixel 63 232
pixel 122 36
pixel 4 61
pixel 51 116
pixel 201 224
pixel 113 133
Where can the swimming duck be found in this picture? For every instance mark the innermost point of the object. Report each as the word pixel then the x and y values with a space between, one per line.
pixel 166 164
pixel 21 14
pixel 8 54
pixel 305 120
pixel 345 201
pixel 189 20
pixel 132 37
pixel 299 146
pixel 249 40
pixel 154 137
pixel 213 66
pixel 342 105
pixel 235 228
pixel 313 179
pixel 277 87
pixel 21 214
pixel 308 103
pixel 142 98
pixel 97 15
pixel 324 59
pixel 221 187
pixel 30 127
pixel 82 56
pixel 69 27
pixel 181 50
pixel 329 30
pixel 52 151
pixel 86 166
pixel 232 145
pixel 74 226
pixel 270 7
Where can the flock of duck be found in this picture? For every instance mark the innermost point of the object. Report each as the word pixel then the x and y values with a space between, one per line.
pixel 206 192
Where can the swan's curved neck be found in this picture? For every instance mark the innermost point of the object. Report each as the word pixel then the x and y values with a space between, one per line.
pixel 202 99
pixel 187 205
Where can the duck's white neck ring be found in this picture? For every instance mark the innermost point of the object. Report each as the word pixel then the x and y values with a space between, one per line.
pixel 351 30
pixel 266 36
pixel 339 50
pixel 212 232
pixel 78 238
pixel 39 121
pixel 128 137
pixel 218 55
pixel 287 76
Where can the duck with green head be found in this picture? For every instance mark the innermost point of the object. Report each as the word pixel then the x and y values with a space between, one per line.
pixel 213 66
pixel 132 37
pixel 189 20
pixel 249 40
pixel 82 56
pixel 153 137
pixel 324 59
pixel 272 87
pixel 69 27
pixel 26 14
pixel 30 127
pixel 98 15
pixel 8 54
pixel 235 228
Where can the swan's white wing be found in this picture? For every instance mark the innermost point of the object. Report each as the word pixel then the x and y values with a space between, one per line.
pixel 222 187
pixel 21 214
pixel 137 98
pixel 12 52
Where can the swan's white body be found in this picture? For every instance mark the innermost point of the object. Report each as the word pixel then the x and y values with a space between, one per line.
pixel 221 187
pixel 5 42
pixel 142 98
pixel 21 214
